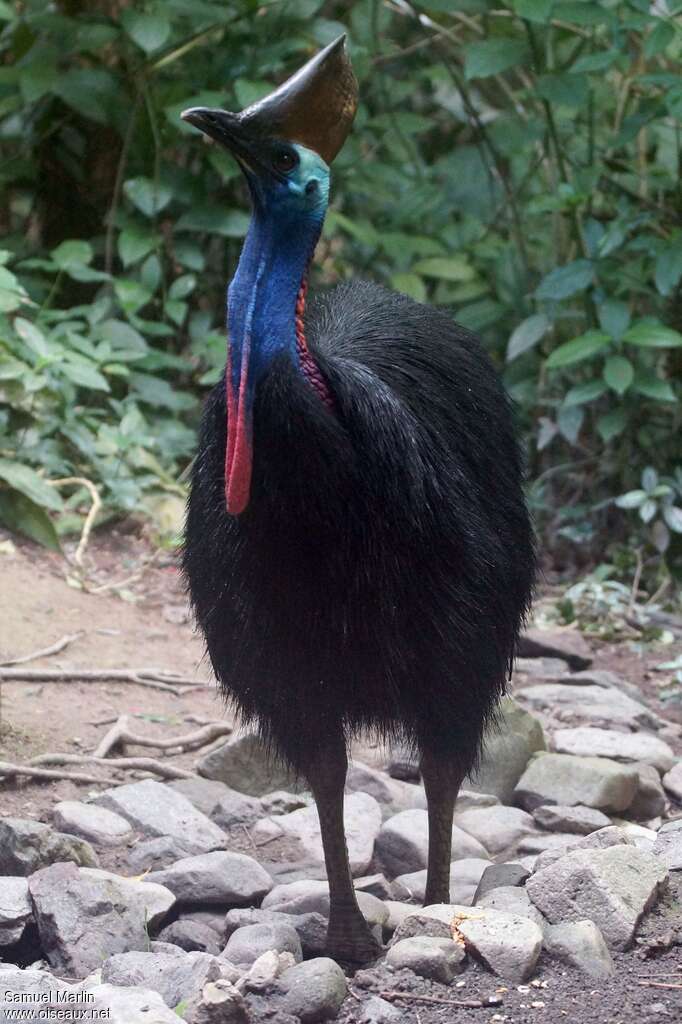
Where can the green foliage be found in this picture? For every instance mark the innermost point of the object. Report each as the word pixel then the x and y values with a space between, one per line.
pixel 518 163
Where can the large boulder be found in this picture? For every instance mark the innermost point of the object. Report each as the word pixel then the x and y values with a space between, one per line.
pixel 591 781
pixel 27 845
pixel 508 745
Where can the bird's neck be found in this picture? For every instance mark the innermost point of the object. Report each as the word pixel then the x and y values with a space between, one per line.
pixel 266 298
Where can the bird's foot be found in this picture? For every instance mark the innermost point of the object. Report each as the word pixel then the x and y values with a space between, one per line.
pixel 352 942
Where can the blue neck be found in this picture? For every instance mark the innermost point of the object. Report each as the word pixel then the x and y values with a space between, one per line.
pixel 261 299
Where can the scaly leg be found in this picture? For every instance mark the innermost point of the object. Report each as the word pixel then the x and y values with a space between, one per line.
pixel 442 780
pixel 348 934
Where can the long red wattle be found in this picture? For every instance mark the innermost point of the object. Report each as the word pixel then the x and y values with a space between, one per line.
pixel 239 449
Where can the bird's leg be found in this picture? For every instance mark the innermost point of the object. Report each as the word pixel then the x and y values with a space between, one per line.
pixel 442 780
pixel 348 935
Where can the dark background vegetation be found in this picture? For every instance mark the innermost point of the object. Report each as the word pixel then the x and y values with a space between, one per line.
pixel 516 162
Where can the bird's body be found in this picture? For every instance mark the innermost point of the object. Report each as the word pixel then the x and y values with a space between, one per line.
pixel 358 550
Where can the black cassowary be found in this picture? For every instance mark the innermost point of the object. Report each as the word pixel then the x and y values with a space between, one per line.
pixel 358 550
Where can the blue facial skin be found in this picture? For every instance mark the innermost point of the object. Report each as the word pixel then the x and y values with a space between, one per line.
pixel 288 213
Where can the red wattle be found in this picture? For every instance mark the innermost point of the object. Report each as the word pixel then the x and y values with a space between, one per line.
pixel 239 450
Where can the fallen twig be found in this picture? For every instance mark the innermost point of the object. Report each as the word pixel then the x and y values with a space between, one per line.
pixel 8 771
pixel 470 1004
pixel 120 734
pixel 44 652
pixel 96 504
pixel 659 984
pixel 158 679
pixel 147 764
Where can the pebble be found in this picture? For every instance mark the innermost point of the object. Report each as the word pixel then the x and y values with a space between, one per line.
pixel 439 959
pixel 590 781
pixel 230 879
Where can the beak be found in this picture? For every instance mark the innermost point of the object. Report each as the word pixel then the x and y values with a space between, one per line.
pixel 227 129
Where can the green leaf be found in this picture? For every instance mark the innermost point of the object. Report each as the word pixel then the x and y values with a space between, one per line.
pixel 660 38
pixel 33 337
pixel 23 478
pixel 493 56
pixel 614 317
pixel 409 284
pixel 149 31
pixel 649 479
pixel 527 335
pixel 651 386
pixel 611 424
pixel 72 254
pixel 574 351
pixel 87 376
pixel 134 244
pixel 595 61
pixel 125 342
pixel 182 286
pixel 562 282
pixel 633 499
pixel 533 10
pixel 583 393
pixel 148 196
pixel 565 90
pixel 229 223
pixel 569 422
pixel 647 510
pixel 669 267
pixel 673 517
pixel 618 373
pixel 653 335
pixel 21 515
pixel 445 268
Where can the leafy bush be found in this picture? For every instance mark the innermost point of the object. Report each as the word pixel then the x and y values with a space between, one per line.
pixel 517 162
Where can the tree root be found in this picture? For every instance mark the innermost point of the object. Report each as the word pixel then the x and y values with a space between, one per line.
pixel 157 678
pixel 146 764
pixel 120 734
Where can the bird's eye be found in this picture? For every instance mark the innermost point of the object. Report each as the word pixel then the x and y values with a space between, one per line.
pixel 284 161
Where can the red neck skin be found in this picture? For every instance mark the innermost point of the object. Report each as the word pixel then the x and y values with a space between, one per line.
pixel 309 367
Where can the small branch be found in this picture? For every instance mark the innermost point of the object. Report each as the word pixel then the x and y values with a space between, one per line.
pixel 147 764
pixel 120 734
pixel 8 771
pixel 635 586
pixel 96 505
pixel 158 679
pixel 658 984
pixel 44 652
pixel 112 738
pixel 471 1004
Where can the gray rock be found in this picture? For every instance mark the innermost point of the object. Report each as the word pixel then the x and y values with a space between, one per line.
pixel 311 928
pixel 243 764
pixel 612 887
pixel 266 968
pixel 160 852
pixel 376 885
pixel 220 1002
pixel 177 977
pixel 468 799
pixel 496 828
pixel 507 747
pixel 580 944
pixel 155 900
pixel 586 741
pixel 128 1006
pixel 235 808
pixel 246 944
pixel 232 879
pixel 404 763
pixel 650 799
pixel 83 918
pixel 594 704
pixel 578 820
pixel 40 984
pixel 379 1011
pixel 465 875
pixel 546 669
pixel 362 821
pixel 391 794
pixel 192 936
pixel 590 781
pixel 569 645
pixel 203 794
pixel 509 945
pixel 15 909
pixel 313 990
pixel 639 835
pixel 434 958
pixel 402 844
pixel 612 835
pixel 27 845
pixel 95 824
pixel 511 899
pixel 496 875
pixel 417 924
pixel 543 841
pixel 157 810
pixel 672 781
pixel 281 802
pixel 667 847
pixel 312 897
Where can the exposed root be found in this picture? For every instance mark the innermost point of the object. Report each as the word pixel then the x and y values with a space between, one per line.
pixel 146 764
pixel 156 678
pixel 121 734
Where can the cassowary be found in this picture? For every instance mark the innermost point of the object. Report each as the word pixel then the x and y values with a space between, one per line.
pixel 358 551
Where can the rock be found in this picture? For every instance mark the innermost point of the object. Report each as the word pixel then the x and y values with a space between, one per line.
pixel 391 794
pixel 232 879
pixel 667 847
pixel 376 885
pixel 15 909
pixel 465 875
pixel 281 802
pixel 27 845
pixel 594 704
pixel 496 875
pixel 192 936
pixel 612 887
pixel 243 764
pixel 577 819
pixel 397 913
pixel 496 828
pixel 84 915
pixel 246 944
pixel 235 808
pixel 203 794
pixel 540 842
pixel 511 899
pixel 177 977
pixel 507 747
pixel 404 764
pixel 160 852
pixel 95 824
pixel 599 840
pixel 362 821
pixel 157 810
pixel 433 958
pixel 156 901
pixel 672 782
pixel 379 1011
pixel 402 844
pixel 312 896
pixel 650 799
pixel 311 928
pixel 468 799
pixel 417 924
pixel 313 990
pixel 127 1006
pixel 40 985
pixel 588 741
pixel 266 968
pixel 507 944
pixel 591 781
pixel 546 669
pixel 220 1002
pixel 569 645
pixel 580 944
pixel 638 835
